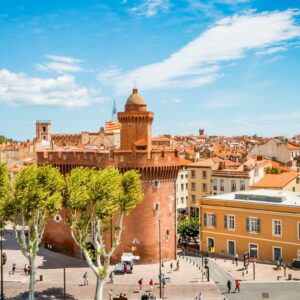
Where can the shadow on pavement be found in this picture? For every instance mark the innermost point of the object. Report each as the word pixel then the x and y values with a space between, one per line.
pixel 51 293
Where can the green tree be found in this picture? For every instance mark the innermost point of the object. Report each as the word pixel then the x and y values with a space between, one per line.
pixel 95 197
pixel 37 197
pixel 272 170
pixel 2 139
pixel 189 229
pixel 5 193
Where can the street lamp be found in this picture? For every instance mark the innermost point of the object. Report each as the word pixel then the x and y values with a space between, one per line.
pixel 160 257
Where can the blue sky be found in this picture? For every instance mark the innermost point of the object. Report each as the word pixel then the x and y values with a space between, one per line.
pixel 229 66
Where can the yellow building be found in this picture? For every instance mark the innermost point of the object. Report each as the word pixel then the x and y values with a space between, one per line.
pixel 264 223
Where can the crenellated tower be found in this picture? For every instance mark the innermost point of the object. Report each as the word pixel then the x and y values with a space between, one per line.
pixel 158 169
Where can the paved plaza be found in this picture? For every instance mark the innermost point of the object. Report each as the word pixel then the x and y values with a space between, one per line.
pixel 185 284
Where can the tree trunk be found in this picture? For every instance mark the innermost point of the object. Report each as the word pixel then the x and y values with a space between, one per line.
pixel 99 289
pixel 32 279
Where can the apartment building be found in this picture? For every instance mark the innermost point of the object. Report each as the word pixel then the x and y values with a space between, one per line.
pixel 239 178
pixel 199 182
pixel 182 189
pixel 279 150
pixel 263 223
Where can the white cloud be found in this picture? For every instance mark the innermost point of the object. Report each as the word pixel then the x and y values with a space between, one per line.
pixel 173 100
pixel 65 59
pixel 224 100
pixel 271 50
pixel 150 8
pixel 18 88
pixel 60 64
pixel 276 58
pixel 200 61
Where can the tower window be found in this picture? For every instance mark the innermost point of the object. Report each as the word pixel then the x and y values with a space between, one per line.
pixel 44 129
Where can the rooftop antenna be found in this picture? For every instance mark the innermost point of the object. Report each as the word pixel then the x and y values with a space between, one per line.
pixel 135 82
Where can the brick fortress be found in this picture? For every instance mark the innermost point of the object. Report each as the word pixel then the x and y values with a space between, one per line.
pixel 158 169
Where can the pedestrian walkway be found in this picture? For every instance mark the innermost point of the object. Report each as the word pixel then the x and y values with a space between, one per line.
pixel 184 284
pixel 262 272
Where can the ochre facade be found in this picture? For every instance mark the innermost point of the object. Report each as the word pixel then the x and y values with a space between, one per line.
pixel 158 169
pixel 266 241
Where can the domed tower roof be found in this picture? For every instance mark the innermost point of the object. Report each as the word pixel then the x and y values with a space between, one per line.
pixel 135 102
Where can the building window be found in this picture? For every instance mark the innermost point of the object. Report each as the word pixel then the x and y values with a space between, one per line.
pixel 233 185
pixel 193 186
pixel 215 184
pixel 222 185
pixel 182 186
pixel 44 128
pixel 193 173
pixel 253 250
pixel 182 200
pixel 194 199
pixel 276 227
pixel 253 225
pixel 297 180
pixel 229 222
pixel 181 176
pixel 204 174
pixel 194 212
pixel 186 186
pixel 243 186
pixel 204 187
pixel 210 220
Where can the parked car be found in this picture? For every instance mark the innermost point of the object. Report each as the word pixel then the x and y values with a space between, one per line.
pixel 119 269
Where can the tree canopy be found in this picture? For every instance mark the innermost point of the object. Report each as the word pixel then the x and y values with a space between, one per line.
pixel 189 228
pixel 37 196
pixel 5 191
pixel 96 198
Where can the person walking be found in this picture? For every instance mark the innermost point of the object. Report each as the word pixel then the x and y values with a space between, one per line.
pixel 25 270
pixel 110 294
pixel 13 268
pixel 228 286
pixel 151 284
pixel 111 277
pixel 200 297
pixel 140 282
pixel 177 265
pixel 85 278
pixel 237 285
pixel 171 266
pixel 236 257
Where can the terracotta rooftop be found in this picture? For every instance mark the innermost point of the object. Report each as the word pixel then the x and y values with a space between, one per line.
pixel 276 180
